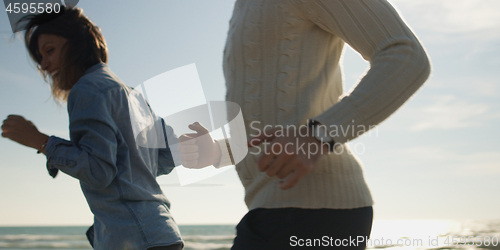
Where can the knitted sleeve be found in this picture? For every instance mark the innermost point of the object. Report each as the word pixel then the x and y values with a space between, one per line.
pixel 398 63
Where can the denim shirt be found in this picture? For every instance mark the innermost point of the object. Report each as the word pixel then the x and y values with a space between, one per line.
pixel 116 174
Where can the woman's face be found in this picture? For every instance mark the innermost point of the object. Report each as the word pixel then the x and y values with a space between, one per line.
pixel 50 48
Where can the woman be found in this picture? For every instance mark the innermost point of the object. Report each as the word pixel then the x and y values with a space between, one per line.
pixel 117 175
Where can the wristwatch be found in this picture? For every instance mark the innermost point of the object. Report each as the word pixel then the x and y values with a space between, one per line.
pixel 321 134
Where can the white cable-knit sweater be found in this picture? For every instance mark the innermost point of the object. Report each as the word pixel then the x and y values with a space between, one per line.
pixel 281 65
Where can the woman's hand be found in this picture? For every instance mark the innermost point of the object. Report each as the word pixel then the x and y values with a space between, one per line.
pixel 198 150
pixel 20 130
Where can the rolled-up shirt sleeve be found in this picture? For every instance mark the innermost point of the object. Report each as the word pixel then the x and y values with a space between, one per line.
pixel 90 155
pixel 398 62
pixel 168 157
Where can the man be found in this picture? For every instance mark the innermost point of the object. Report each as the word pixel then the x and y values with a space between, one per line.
pixel 282 66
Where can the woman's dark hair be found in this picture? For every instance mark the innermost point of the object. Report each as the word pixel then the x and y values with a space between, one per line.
pixel 84 48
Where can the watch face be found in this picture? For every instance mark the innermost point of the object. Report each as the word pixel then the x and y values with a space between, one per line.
pixel 321 133
pixel 326 138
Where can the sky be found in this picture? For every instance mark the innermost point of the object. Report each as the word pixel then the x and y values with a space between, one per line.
pixel 437 157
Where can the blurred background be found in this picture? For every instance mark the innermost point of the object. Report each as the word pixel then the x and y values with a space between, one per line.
pixel 435 159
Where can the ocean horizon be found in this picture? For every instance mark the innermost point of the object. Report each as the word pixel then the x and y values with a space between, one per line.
pixel 386 234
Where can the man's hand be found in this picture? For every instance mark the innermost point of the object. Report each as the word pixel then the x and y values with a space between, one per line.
pixel 198 150
pixel 289 157
pixel 20 130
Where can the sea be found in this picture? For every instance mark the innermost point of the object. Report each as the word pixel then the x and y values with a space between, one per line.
pixel 386 234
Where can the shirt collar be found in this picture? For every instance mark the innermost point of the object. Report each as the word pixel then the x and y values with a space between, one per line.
pixel 95 67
